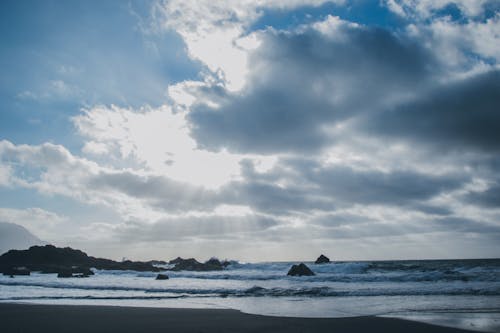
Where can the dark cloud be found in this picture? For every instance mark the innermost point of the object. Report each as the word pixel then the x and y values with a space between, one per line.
pixel 489 198
pixel 275 199
pixel 432 209
pixel 397 187
pixel 301 185
pixel 463 225
pixel 375 187
pixel 305 80
pixel 460 116
pixel 339 220
pixel 355 226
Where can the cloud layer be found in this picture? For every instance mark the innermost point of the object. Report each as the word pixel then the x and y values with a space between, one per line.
pixel 331 134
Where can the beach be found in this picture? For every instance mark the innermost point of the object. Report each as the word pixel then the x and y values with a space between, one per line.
pixel 79 318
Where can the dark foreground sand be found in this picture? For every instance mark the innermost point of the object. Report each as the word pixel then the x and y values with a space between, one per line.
pixel 73 319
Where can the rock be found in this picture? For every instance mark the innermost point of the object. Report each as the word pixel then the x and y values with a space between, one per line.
pixel 13 271
pixel 82 271
pixel 51 259
pixel 300 270
pixel 80 275
pixel 176 261
pixel 162 277
pixel 322 259
pixel 192 264
pixel 214 264
pixel 131 266
pixel 156 262
pixel 65 274
pixel 76 272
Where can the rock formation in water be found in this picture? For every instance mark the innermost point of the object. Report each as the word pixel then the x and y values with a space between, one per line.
pixel 51 259
pixel 192 264
pixel 300 270
pixel 322 259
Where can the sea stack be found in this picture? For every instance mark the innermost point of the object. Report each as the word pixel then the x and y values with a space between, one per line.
pixel 300 270
pixel 162 277
pixel 322 259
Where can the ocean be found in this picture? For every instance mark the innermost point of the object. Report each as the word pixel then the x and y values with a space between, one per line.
pixel 461 293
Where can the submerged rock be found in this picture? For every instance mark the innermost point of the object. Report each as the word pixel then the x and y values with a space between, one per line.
pixel 300 270
pixel 162 277
pixel 322 259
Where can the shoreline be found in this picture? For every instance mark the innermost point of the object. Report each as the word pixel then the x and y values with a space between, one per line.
pixel 23 317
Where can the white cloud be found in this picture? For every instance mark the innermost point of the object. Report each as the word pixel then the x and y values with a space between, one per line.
pixel 5 174
pixel 334 27
pixel 157 139
pixel 426 8
pixel 454 42
pixel 95 148
pixel 465 47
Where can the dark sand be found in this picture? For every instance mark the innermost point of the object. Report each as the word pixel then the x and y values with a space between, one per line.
pixel 73 319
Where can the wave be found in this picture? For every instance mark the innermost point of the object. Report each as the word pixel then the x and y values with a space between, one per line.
pixel 341 273
pixel 320 277
pixel 258 291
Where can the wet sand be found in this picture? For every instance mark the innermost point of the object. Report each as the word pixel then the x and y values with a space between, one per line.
pixel 81 318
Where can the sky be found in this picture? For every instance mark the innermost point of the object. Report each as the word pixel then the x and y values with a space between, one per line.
pixel 253 130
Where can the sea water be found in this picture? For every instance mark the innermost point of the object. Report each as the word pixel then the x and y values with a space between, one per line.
pixel 461 293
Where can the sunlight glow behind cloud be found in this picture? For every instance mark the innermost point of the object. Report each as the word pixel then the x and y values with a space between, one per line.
pixel 157 139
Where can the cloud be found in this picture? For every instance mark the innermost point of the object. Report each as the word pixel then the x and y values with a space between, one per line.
pixel 215 32
pixel 305 82
pixel 156 191
pixel 462 115
pixel 156 139
pixel 53 170
pixel 295 199
pixel 426 8
pixel 195 228
pixel 463 47
pixel 330 130
pixel 489 198
pixel 304 186
pixel 5 175
pixel 393 188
